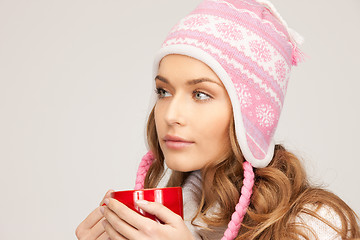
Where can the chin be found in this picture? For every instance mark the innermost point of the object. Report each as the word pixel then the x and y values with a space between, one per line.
pixel 180 167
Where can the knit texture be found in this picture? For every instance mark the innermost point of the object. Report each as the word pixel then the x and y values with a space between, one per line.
pixel 143 168
pixel 251 49
pixel 244 201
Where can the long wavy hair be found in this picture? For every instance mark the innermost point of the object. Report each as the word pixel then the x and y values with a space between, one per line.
pixel 281 192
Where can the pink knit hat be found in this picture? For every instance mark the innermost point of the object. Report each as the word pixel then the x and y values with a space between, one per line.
pixel 251 49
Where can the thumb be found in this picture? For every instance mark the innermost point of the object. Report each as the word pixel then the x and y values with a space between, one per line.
pixel 160 211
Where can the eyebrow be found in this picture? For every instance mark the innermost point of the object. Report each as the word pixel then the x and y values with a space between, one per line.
pixel 189 82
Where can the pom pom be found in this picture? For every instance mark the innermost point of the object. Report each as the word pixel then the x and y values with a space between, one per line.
pixel 296 37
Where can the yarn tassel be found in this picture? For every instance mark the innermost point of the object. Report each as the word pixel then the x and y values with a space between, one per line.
pixel 297 56
pixel 295 38
pixel 144 166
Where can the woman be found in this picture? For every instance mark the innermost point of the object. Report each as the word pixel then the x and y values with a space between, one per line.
pixel 220 79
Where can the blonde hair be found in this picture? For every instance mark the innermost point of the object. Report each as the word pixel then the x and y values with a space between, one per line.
pixel 281 192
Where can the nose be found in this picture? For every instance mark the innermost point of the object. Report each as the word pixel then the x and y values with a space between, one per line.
pixel 176 111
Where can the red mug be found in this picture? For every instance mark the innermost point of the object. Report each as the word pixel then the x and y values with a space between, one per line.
pixel 169 197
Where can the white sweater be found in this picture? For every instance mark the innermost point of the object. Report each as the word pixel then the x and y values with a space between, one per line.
pixel 191 198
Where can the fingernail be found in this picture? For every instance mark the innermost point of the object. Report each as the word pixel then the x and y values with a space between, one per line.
pixel 102 209
pixel 106 201
pixel 142 202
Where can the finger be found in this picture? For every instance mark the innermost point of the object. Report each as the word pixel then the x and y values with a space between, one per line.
pixel 98 229
pixel 120 225
pixel 103 236
pixel 113 234
pixel 93 218
pixel 107 195
pixel 160 211
pixel 128 215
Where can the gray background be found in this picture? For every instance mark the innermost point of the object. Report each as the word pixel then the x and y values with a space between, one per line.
pixel 75 82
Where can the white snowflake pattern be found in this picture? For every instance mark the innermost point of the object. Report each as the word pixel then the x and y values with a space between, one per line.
pixel 230 31
pixel 196 21
pixel 280 70
pixel 261 52
pixel 265 115
pixel 244 95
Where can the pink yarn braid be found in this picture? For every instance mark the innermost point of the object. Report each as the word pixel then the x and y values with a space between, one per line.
pixel 142 170
pixel 244 201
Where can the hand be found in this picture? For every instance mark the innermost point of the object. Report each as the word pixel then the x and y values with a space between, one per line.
pixel 91 228
pixel 123 223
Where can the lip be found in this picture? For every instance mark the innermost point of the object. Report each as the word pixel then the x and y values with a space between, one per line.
pixel 175 142
pixel 175 139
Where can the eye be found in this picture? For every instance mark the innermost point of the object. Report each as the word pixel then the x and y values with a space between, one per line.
pixel 161 92
pixel 201 96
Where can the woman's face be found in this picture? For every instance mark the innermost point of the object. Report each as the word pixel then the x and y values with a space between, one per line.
pixel 193 105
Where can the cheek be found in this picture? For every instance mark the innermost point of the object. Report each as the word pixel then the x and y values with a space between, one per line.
pixel 215 121
pixel 217 130
pixel 214 130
